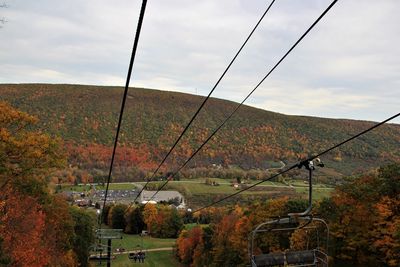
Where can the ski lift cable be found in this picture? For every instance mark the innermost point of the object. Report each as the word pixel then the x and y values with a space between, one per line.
pixel 204 101
pixel 297 165
pixel 244 100
pixel 128 78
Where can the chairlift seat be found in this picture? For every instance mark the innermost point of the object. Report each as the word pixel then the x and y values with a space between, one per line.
pixel 131 255
pixel 98 258
pixel 271 259
pixel 301 257
pixel 307 257
pixel 291 258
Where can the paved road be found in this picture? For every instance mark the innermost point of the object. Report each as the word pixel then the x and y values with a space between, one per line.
pixel 146 250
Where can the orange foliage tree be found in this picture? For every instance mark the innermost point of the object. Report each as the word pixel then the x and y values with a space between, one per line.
pixel 229 240
pixel 225 241
pixel 386 233
pixel 22 228
pixel 364 218
pixel 189 242
pixel 150 217
pixel 35 226
pixel 162 220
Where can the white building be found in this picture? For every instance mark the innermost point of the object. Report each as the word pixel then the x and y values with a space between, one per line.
pixel 162 196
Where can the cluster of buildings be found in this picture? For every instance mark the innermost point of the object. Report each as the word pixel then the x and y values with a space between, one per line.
pixel 95 198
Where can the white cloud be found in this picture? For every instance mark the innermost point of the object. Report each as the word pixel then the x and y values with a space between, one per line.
pixel 347 67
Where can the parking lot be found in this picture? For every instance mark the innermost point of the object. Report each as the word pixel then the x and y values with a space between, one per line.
pixel 115 195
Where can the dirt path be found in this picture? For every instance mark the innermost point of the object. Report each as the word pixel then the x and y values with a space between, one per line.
pixel 146 250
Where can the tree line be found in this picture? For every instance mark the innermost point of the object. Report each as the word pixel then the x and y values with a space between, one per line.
pixel 39 228
pixel 161 221
pixel 86 123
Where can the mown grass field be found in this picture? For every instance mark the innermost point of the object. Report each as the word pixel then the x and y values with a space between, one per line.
pixel 153 259
pixel 199 194
pixel 132 242
pixel 194 188
pixel 198 187
pixel 318 194
pixel 136 243
pixel 113 186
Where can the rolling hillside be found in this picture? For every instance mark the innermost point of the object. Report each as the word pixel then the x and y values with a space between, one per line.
pixel 86 116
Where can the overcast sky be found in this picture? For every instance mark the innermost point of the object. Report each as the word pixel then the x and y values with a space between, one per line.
pixel 347 67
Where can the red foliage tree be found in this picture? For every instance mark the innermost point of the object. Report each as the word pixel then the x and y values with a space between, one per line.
pixel 23 228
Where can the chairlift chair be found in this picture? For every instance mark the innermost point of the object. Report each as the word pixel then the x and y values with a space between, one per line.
pixel 139 248
pixel 102 253
pixel 98 253
pixel 317 256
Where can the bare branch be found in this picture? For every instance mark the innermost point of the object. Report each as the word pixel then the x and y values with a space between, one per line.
pixel 3 20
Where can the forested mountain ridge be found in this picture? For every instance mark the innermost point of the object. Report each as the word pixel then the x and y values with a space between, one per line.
pixel 86 116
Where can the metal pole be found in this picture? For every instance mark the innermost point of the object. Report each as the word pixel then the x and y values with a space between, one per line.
pixel 309 208
pixel 109 253
pixel 309 190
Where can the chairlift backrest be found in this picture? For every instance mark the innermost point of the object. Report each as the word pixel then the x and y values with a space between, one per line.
pixel 294 221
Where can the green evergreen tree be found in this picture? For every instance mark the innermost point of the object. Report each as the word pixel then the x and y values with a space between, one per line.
pixel 84 234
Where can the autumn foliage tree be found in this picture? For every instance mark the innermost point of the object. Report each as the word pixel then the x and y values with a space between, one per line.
pixel 117 216
pixel 229 244
pixel 150 214
pixel 162 220
pixel 364 219
pixel 36 227
pixel 224 242
pixel 134 220
pixel 188 243
pixel 84 237
pixel 22 229
pixel 25 155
